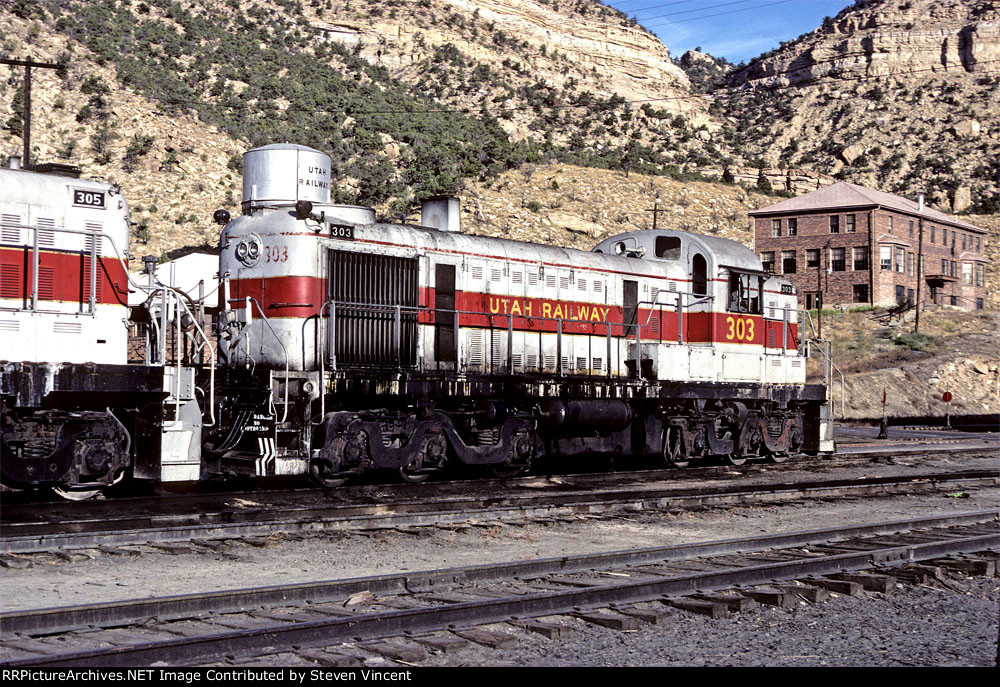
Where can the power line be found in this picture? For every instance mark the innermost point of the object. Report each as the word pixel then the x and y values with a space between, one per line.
pixel 697 9
pixel 719 14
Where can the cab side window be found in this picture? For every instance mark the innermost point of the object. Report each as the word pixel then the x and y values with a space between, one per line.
pixel 744 293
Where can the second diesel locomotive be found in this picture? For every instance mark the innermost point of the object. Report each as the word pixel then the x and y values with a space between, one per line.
pixel 349 344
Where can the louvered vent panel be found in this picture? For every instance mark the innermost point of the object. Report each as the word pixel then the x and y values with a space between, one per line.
pixel 598 364
pixel 532 279
pixel 550 281
pixel 10 232
pixel 9 326
pixel 46 232
pixel 477 272
pixel 476 349
pixel 496 275
pixel 517 277
pixel 46 283
pixel 796 363
pixel 531 361
pixel 598 286
pixel 67 328
pixel 496 347
pixel 550 362
pixel 515 361
pixel 11 284
pixel 581 364
pixel 563 283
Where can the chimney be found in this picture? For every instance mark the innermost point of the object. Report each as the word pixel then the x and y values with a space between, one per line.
pixel 441 212
pixel 15 162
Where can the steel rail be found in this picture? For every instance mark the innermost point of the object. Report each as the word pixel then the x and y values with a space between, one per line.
pixel 62 619
pixel 463 614
pixel 462 510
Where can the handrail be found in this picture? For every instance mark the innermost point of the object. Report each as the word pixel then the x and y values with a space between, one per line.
pixel 284 351
pixel 150 289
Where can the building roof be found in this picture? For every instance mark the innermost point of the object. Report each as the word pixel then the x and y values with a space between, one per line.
pixel 845 195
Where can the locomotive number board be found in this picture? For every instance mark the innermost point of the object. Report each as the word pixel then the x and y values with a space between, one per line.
pixel 88 199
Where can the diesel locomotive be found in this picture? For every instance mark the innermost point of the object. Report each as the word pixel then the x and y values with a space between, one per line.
pixel 344 344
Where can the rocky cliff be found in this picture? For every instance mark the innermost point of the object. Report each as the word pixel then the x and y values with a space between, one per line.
pixel 894 94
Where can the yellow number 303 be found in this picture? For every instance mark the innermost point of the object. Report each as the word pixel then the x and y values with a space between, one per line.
pixel 739 329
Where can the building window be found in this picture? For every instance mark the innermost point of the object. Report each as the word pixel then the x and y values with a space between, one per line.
pixel 954 269
pixel 849 224
pixel 979 246
pixel 837 261
pixel 890 223
pixel 900 294
pixel 812 257
pixel 767 259
pixel 911 230
pixel 793 226
pixel 979 304
pixel 909 263
pixel 932 233
pixel 944 236
pixel 963 241
pixel 834 224
pixel 980 274
pixel 775 227
pixel 860 258
pixel 954 300
pixel 900 255
pixel 967 273
pixel 885 257
pixel 861 293
pixel 944 267
pixel 920 267
pixel 953 237
pixel 788 261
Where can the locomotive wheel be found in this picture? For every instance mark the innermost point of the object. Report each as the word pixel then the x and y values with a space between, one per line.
pixel 733 459
pixel 779 457
pixel 673 449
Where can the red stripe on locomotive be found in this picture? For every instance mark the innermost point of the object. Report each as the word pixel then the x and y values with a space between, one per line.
pixel 62 277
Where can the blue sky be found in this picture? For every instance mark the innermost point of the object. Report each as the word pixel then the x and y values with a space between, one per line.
pixel 735 29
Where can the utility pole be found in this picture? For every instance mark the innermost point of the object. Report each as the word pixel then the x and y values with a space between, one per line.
pixel 656 210
pixel 28 64
pixel 920 258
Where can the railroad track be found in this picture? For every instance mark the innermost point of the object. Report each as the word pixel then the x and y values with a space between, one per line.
pixel 330 622
pixel 542 502
pixel 453 510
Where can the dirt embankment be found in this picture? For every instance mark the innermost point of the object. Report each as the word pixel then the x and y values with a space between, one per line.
pixel 954 351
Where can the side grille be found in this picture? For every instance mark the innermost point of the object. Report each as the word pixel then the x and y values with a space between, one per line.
pixel 366 290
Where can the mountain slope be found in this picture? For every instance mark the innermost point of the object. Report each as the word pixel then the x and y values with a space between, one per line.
pixel 894 94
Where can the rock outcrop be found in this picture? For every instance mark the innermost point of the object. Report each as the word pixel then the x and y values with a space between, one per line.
pixel 894 38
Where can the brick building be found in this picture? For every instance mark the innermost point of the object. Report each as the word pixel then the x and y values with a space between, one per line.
pixel 856 245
